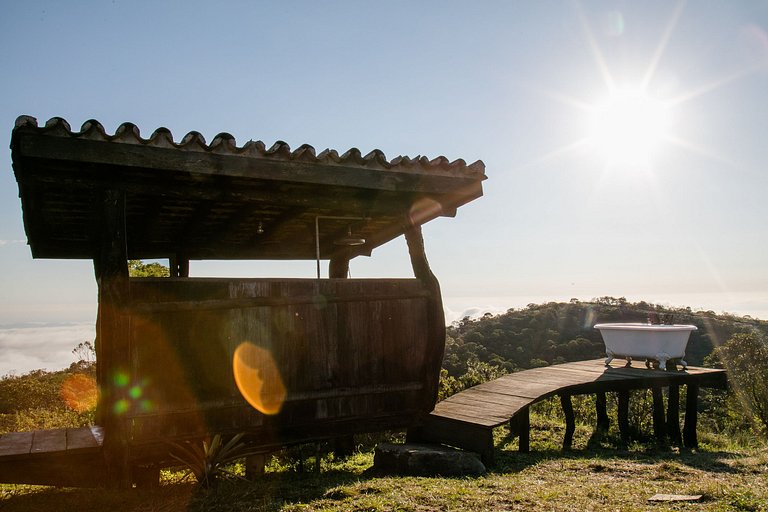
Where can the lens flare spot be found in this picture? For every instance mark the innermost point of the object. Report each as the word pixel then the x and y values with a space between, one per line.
pixel 146 406
pixel 121 379
pixel 424 210
pixel 258 378
pixel 79 392
pixel 121 406
pixel 135 392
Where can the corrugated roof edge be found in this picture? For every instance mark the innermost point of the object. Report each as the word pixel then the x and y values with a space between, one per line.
pixel 224 143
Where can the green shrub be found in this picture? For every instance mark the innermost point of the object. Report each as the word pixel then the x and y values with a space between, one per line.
pixel 745 356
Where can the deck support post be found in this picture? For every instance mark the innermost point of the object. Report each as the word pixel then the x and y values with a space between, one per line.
pixel 601 409
pixel 570 421
pixel 146 477
pixel 520 426
pixel 659 423
pixel 689 427
pixel 623 414
pixel 112 335
pixel 467 436
pixel 673 414
pixel 343 446
pixel 254 465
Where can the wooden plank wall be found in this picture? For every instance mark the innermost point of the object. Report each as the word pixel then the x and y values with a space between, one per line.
pixel 350 352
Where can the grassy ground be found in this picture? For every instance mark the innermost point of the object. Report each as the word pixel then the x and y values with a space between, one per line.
pixel 599 474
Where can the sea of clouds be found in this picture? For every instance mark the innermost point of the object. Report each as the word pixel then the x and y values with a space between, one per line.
pixel 48 346
pixel 32 346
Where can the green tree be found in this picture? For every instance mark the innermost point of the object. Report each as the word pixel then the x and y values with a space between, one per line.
pixel 745 356
pixel 137 268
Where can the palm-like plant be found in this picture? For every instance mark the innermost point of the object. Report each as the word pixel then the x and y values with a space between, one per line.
pixel 207 462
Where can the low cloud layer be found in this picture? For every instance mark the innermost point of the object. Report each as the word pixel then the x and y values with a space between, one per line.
pixel 29 347
pixel 11 242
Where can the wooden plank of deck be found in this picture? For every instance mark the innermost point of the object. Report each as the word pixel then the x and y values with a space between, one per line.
pixel 62 457
pixel 459 418
pixel 482 395
pixel 16 443
pixel 49 441
pixel 84 438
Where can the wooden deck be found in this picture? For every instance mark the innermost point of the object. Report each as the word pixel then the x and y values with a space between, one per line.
pixel 467 419
pixel 62 457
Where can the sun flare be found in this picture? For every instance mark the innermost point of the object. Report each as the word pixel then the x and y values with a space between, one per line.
pixel 629 127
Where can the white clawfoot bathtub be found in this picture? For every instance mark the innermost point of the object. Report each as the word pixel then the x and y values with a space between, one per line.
pixel 652 342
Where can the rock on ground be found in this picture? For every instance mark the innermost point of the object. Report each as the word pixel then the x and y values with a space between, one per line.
pixel 426 460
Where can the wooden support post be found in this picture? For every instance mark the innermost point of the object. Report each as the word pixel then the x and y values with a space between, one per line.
pixel 435 315
pixel 570 421
pixel 112 334
pixel 603 422
pixel 659 426
pixel 178 266
pixel 623 414
pixel 520 427
pixel 146 477
pixel 254 465
pixel 673 414
pixel 338 266
pixel 467 436
pixel 689 427
pixel 344 446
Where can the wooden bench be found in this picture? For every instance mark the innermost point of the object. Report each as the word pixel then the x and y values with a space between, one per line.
pixel 467 419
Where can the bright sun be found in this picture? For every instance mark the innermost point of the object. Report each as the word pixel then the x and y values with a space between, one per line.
pixel 628 128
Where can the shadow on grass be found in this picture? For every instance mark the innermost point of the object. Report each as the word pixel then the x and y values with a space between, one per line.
pixel 270 492
pixel 603 445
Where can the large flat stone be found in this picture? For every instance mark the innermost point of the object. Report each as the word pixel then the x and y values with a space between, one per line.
pixel 426 460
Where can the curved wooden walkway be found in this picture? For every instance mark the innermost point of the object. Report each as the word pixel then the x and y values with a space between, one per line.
pixel 467 419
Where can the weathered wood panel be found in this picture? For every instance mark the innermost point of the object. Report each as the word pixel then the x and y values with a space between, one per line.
pixel 349 352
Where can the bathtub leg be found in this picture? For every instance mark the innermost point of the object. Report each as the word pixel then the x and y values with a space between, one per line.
pixel 570 421
pixel 684 364
pixel 623 413
pixel 663 358
pixel 609 358
pixel 673 414
pixel 629 362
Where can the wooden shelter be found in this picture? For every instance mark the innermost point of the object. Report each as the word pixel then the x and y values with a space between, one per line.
pixel 285 360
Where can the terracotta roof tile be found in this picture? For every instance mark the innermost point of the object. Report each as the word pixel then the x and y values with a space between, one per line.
pixel 224 143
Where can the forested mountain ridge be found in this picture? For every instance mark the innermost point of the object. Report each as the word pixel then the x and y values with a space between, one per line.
pixel 557 332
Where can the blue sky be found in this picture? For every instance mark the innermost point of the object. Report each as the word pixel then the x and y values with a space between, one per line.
pixel 515 84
